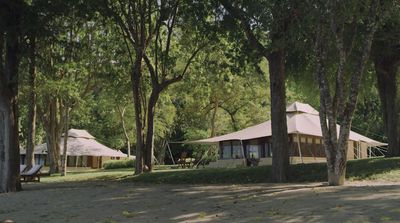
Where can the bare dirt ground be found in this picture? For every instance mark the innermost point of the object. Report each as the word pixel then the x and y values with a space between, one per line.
pixel 127 202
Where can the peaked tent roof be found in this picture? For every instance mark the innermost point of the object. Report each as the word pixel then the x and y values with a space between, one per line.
pixel 301 118
pixel 79 133
pixel 298 107
pixel 80 143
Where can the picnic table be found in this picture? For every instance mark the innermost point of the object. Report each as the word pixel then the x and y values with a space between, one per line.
pixel 186 162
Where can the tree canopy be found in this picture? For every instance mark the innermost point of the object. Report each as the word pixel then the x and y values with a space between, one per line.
pixel 140 74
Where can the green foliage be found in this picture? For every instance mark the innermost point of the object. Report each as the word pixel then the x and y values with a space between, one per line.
pixel 82 60
pixel 118 164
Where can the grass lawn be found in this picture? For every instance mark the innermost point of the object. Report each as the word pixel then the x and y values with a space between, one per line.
pixel 387 169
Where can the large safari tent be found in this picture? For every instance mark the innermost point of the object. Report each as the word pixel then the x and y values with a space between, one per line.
pixel 82 151
pixel 305 141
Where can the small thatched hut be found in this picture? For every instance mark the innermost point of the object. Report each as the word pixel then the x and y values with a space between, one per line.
pixel 83 151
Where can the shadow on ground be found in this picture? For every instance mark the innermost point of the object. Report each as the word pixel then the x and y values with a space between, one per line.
pixel 127 202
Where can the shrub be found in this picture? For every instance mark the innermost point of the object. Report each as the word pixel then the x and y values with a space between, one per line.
pixel 117 164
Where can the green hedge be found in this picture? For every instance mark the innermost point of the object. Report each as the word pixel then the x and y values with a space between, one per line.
pixel 117 164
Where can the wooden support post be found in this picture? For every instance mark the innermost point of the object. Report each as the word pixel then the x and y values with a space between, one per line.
pixel 241 145
pixel 170 153
pixel 299 147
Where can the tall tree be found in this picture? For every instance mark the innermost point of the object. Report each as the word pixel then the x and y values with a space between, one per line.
pixel 31 134
pixel 386 58
pixel 356 21
pixel 10 18
pixel 268 22
pixel 68 63
pixel 149 27
pixel 32 27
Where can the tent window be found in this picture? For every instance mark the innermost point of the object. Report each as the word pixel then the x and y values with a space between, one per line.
pixel 226 150
pixel 236 150
pixel 253 151
pixel 22 159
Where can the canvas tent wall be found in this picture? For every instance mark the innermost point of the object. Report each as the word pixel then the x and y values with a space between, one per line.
pixel 304 129
pixel 83 150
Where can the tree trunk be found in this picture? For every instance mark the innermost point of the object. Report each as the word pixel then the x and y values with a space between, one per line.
pixel 9 144
pixel 53 133
pixel 343 103
pixel 276 60
pixel 30 144
pixel 233 120
pixel 136 78
pixel 386 71
pixel 149 145
pixel 280 157
pixel 65 157
pixel 214 118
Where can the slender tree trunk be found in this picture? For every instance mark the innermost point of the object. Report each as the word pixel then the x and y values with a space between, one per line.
pixel 386 71
pixel 136 78
pixel 342 105
pixel 149 148
pixel 64 156
pixel 214 117
pixel 30 145
pixel 280 147
pixel 233 120
pixel 53 133
pixel 9 143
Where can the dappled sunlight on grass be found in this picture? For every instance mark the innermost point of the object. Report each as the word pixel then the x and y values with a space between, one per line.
pixel 76 175
pixel 387 169
pixel 91 175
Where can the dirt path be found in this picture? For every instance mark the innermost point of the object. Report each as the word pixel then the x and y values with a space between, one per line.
pixel 122 202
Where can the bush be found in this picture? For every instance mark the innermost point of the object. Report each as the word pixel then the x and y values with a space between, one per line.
pixel 117 164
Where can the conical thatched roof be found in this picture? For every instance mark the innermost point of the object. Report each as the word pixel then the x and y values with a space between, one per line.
pixel 81 143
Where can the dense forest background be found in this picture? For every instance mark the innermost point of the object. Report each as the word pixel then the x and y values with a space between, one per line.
pixel 84 61
pixel 140 75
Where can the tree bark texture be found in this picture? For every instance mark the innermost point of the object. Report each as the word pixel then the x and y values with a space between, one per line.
pixel 65 156
pixel 53 127
pixel 9 143
pixel 149 146
pixel 30 144
pixel 344 100
pixel 136 78
pixel 386 71
pixel 280 147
